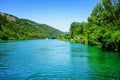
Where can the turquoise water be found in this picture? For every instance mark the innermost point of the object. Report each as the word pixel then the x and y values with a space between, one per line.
pixel 56 60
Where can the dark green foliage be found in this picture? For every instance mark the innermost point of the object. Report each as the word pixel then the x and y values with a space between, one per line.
pixel 107 21
pixel 14 28
pixel 102 29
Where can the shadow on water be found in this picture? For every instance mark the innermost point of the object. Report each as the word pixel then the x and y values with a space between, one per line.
pixel 94 63
pixel 105 64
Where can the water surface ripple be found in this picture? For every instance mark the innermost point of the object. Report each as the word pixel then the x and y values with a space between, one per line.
pixel 56 60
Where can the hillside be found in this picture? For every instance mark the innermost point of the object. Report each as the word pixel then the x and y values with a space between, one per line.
pixel 12 27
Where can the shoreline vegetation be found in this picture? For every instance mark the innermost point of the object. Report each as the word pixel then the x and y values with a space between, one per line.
pixel 102 28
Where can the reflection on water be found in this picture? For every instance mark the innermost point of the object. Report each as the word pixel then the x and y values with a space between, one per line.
pixel 53 59
pixel 106 65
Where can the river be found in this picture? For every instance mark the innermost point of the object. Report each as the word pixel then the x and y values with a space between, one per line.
pixel 56 60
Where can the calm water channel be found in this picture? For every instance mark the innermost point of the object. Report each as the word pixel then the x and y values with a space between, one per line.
pixel 56 60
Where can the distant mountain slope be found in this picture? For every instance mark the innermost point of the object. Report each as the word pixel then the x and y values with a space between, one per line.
pixel 12 27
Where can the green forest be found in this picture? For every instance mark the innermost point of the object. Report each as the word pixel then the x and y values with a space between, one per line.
pixel 102 28
pixel 12 28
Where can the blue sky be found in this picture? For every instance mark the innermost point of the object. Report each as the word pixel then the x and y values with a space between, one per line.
pixel 56 13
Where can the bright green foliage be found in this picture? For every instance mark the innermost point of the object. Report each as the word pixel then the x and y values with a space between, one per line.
pixel 14 28
pixel 78 32
pixel 107 21
pixel 102 29
pixel 76 29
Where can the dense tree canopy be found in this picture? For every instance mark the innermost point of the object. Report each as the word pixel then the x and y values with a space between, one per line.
pixel 102 28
